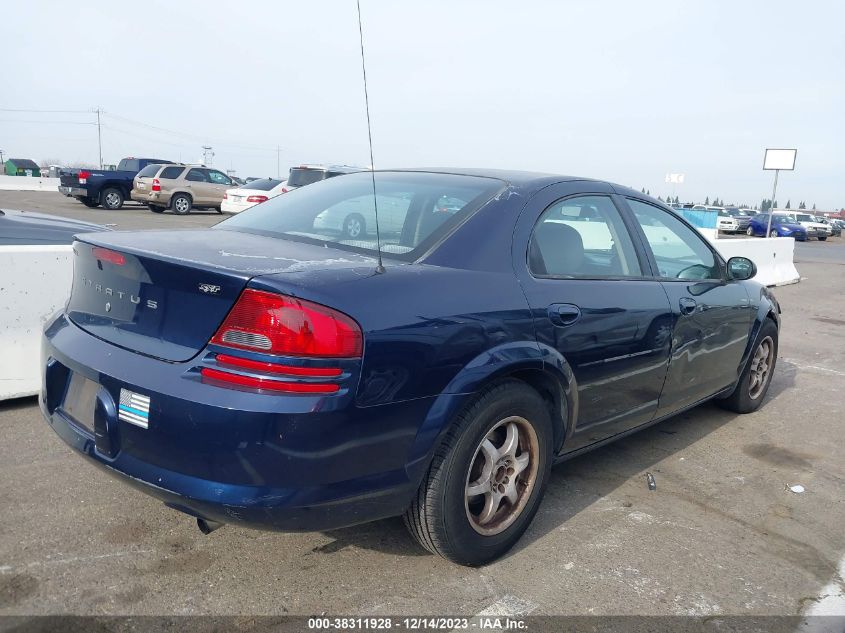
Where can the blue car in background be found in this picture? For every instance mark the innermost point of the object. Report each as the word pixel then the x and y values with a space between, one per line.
pixel 782 226
pixel 275 372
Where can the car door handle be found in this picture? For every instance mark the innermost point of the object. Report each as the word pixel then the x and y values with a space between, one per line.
pixel 688 305
pixel 564 313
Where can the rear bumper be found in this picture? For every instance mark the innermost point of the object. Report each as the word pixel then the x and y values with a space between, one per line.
pixel 73 192
pixel 291 463
pixel 235 207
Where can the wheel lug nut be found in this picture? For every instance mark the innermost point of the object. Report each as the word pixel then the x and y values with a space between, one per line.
pixel 511 471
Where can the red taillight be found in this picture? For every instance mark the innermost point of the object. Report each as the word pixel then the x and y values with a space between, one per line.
pixel 257 199
pixel 225 196
pixel 254 382
pixel 105 255
pixel 156 185
pixel 274 368
pixel 285 189
pixel 83 177
pixel 277 324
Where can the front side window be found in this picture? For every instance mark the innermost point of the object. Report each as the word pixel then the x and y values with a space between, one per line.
pixel 680 252
pixel 219 178
pixel 197 175
pixel 582 237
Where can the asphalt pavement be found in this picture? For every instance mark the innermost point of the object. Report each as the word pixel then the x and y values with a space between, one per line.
pixel 722 534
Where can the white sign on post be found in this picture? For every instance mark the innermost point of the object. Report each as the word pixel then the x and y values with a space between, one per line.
pixel 780 159
pixel 675 178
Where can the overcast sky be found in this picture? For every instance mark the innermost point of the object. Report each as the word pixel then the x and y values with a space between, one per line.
pixel 617 90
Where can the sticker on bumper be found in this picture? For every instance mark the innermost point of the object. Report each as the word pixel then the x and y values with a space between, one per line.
pixel 134 408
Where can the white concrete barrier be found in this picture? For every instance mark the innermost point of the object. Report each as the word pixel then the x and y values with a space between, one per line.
pixel 28 183
pixel 35 282
pixel 773 257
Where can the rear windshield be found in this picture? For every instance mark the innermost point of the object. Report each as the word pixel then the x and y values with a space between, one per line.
pixel 415 210
pixel 171 173
pixel 264 184
pixel 299 176
pixel 149 171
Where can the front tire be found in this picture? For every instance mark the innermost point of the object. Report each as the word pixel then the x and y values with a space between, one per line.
pixel 773 234
pixel 487 477
pixel 755 379
pixel 112 199
pixel 822 238
pixel 181 204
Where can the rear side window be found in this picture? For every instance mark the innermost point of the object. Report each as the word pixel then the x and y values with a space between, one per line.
pixel 582 237
pixel 171 173
pixel 197 175
pixel 680 252
pixel 299 176
pixel 129 164
pixel 149 171
pixel 415 211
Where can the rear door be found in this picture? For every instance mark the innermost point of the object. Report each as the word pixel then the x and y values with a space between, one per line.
pixel 595 304
pixel 712 316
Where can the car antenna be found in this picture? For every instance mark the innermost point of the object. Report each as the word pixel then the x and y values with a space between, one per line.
pixel 380 266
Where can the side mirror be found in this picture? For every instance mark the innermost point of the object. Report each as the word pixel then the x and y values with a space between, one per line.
pixel 741 268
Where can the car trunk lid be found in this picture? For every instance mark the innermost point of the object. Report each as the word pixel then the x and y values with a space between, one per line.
pixel 165 293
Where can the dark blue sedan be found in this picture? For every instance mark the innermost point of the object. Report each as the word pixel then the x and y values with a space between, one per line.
pixel 269 372
pixel 782 226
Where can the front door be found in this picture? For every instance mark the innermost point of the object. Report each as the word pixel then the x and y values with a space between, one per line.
pixel 712 316
pixel 200 187
pixel 595 306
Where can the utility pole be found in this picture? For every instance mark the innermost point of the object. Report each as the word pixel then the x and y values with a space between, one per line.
pixel 2 163
pixel 99 137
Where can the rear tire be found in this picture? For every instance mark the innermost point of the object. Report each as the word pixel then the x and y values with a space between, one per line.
pixel 181 203
pixel 749 232
pixel 88 202
pixel 112 199
pixel 757 375
pixel 497 450
pixel 155 208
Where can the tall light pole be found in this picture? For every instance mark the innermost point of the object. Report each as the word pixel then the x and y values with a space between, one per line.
pixel 99 137
pixel 777 160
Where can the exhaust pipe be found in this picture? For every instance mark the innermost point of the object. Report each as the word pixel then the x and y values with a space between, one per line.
pixel 207 526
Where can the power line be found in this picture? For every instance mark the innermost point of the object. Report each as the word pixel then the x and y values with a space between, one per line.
pixel 46 121
pixel 47 111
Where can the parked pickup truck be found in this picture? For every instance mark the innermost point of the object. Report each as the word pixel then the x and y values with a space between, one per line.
pixel 95 187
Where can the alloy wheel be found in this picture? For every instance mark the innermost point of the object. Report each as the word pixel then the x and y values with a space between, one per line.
pixel 112 199
pixel 502 475
pixel 761 363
